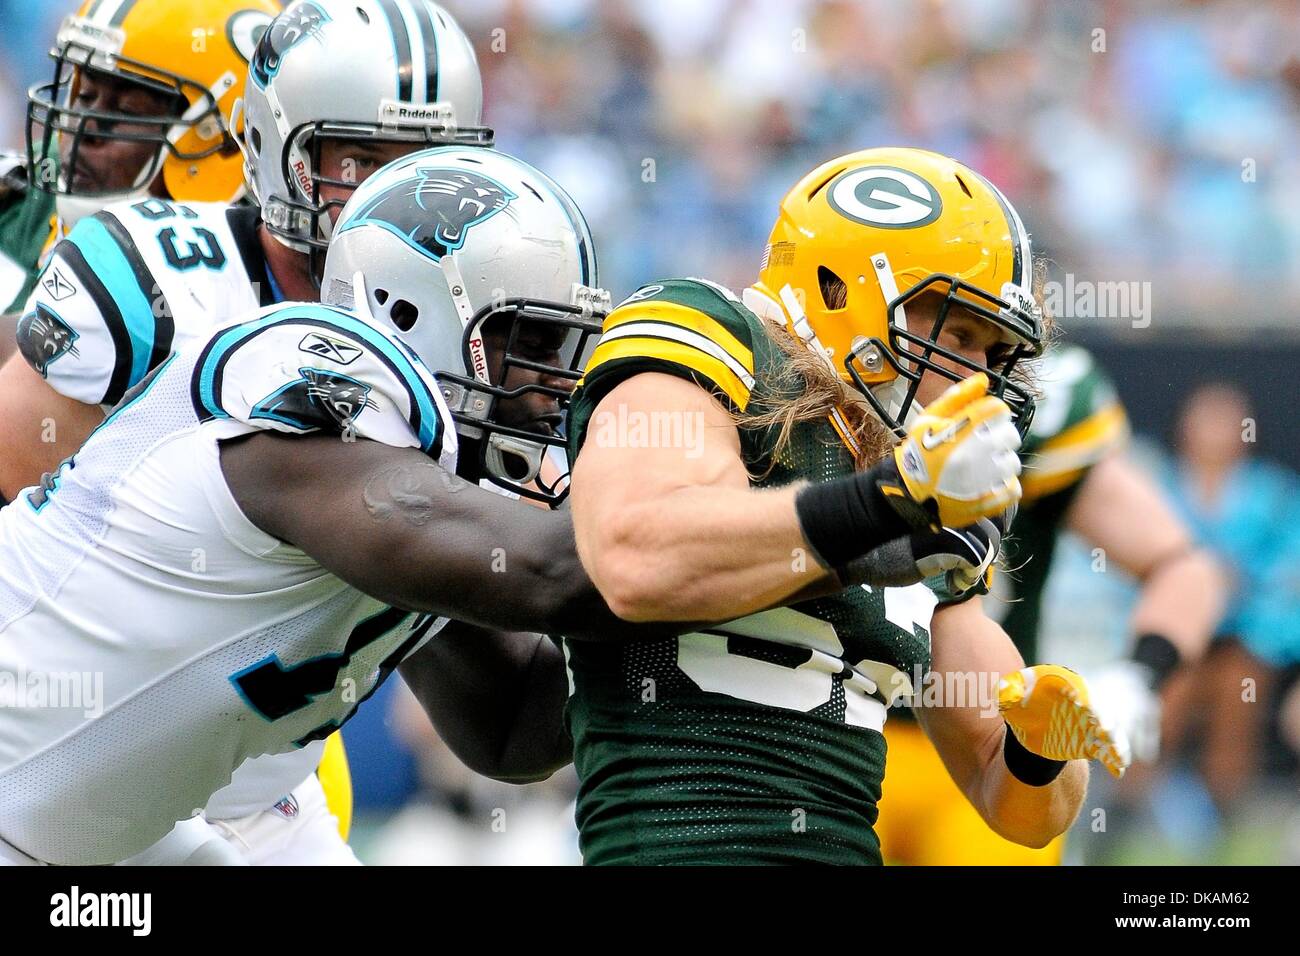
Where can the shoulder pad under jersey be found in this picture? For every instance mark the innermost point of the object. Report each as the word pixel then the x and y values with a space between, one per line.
pixel 306 369
pixel 1078 422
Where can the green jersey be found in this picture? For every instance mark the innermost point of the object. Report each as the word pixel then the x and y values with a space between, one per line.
pixel 1079 421
pixel 759 740
pixel 25 225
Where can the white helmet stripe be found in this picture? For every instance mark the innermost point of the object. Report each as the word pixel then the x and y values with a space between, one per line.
pixel 108 13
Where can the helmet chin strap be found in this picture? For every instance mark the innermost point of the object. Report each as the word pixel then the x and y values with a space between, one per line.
pixel 793 316
pixel 892 394
pixel 499 449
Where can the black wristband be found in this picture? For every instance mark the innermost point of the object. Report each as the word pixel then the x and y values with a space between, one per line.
pixel 846 518
pixel 1159 655
pixel 1029 768
pixel 891 565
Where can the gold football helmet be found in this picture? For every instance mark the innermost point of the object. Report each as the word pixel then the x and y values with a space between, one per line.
pixel 194 55
pixel 862 236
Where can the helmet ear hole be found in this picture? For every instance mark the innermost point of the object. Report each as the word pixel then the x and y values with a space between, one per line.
pixel 835 292
pixel 404 314
pixel 255 140
pixel 381 296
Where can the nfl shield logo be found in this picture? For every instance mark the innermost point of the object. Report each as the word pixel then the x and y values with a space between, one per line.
pixel 287 807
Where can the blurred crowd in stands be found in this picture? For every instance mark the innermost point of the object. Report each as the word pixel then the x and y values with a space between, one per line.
pixel 1153 141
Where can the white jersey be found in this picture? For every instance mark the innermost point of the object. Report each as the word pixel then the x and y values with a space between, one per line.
pixel 118 296
pixel 132 285
pixel 212 642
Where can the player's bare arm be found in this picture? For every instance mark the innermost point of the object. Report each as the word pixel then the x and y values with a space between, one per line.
pixel 669 532
pixel 972 740
pixel 677 533
pixel 402 529
pixel 1119 510
pixel 38 426
pixel 8 330
pixel 496 699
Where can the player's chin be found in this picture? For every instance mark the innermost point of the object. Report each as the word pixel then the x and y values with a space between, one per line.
pixel 547 426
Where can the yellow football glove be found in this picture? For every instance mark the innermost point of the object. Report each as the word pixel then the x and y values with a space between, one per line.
pixel 958 462
pixel 1047 708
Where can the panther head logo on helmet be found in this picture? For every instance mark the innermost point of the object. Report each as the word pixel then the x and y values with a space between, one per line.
pixel 286 31
pixel 449 202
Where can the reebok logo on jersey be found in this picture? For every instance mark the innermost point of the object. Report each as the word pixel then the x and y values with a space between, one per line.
pixel 58 285
pixel 334 350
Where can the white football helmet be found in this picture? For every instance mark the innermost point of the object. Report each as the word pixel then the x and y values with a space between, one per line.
pixel 353 70
pixel 440 244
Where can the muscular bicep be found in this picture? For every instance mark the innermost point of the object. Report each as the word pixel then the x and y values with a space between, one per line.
pixel 651 435
pixel 496 698
pixel 400 528
pixel 38 426
pixel 968 650
pixel 1119 509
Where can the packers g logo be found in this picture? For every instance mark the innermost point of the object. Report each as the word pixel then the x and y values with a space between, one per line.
pixel 245 30
pixel 886 197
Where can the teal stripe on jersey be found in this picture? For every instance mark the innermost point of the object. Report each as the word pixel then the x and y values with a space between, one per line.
pixel 114 270
pixel 415 386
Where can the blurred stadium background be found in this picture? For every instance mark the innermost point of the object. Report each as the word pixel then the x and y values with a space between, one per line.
pixel 1153 143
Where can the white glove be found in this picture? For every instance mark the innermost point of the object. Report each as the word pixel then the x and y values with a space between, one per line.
pixel 1123 699
pixel 958 462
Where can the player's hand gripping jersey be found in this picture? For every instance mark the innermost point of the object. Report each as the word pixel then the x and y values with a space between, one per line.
pixel 133 284
pixel 216 642
pixel 760 738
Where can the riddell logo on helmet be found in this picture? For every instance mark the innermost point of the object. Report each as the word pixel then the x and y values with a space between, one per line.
pixel 300 170
pixel 405 114
pixel 107 40
pixel 479 358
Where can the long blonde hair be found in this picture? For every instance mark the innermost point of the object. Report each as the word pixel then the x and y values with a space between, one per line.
pixel 807 388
